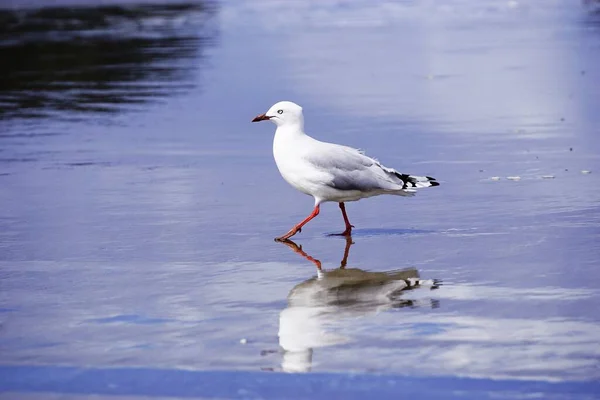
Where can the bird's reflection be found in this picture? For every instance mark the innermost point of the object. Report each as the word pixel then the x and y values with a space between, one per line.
pixel 318 306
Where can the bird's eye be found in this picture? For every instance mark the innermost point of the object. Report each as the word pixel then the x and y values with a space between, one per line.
pixel 279 111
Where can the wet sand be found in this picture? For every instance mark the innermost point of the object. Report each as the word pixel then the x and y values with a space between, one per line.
pixel 138 204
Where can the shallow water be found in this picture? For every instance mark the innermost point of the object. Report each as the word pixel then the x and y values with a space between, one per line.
pixel 139 205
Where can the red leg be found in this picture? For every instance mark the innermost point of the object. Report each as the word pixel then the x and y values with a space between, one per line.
pixel 298 228
pixel 348 230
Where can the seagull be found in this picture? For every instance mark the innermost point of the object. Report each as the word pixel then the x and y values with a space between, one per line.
pixel 330 172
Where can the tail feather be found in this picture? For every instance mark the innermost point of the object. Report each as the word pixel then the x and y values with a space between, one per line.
pixel 413 181
pixel 416 282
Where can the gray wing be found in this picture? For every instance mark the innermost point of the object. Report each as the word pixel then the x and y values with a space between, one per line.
pixel 350 169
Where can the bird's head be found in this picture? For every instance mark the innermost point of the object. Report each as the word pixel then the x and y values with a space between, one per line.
pixel 284 113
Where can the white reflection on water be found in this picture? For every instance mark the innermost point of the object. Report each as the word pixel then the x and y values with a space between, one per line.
pixel 338 307
pixel 193 315
pixel 458 65
pixel 554 349
pixel 318 306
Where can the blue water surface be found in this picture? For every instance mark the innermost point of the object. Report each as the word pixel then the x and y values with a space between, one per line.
pixel 138 204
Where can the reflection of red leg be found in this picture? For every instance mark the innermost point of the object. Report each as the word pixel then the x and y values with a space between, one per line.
pixel 298 228
pixel 349 243
pixel 348 230
pixel 298 249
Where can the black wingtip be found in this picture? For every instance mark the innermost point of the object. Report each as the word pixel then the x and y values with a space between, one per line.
pixel 434 183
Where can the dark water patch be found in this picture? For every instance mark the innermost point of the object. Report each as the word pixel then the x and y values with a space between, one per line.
pixel 384 232
pixel 43 345
pixel 16 160
pixel 89 164
pixel 592 6
pixel 7 135
pixel 100 59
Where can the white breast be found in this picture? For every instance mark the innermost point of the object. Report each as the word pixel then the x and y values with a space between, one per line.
pixel 289 151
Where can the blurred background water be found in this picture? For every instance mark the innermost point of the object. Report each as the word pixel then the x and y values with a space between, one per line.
pixel 138 204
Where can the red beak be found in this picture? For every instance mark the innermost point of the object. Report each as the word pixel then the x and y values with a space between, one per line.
pixel 261 117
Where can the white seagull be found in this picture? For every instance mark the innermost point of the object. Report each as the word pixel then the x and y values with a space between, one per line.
pixel 327 171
